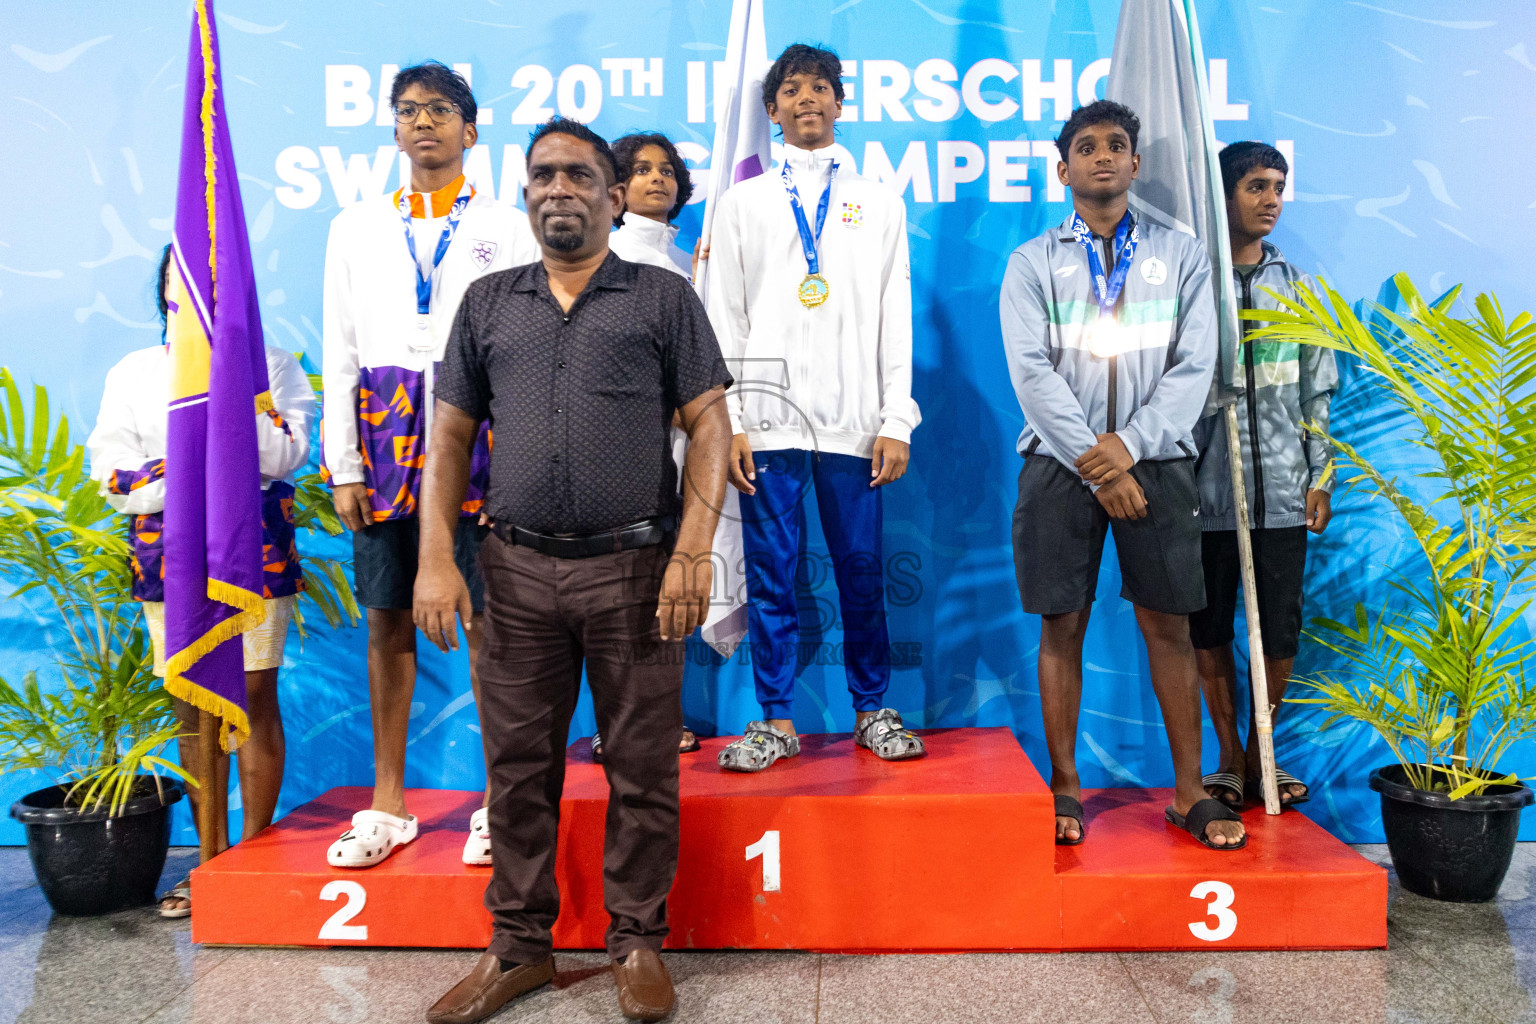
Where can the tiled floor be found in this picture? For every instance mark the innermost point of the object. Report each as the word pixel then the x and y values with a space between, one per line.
pixel 1448 964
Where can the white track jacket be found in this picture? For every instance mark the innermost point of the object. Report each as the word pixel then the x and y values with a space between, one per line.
pixel 642 240
pixel 831 378
pixel 378 364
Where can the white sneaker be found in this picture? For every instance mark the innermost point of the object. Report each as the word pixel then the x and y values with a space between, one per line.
pixel 477 848
pixel 373 836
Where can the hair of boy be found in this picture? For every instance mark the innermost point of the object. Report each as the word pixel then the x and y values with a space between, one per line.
pixel 627 149
pixel 558 125
pixel 435 76
pixel 161 302
pixel 802 59
pixel 1241 157
pixel 1098 112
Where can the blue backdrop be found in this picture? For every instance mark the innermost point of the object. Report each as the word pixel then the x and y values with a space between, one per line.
pixel 1412 151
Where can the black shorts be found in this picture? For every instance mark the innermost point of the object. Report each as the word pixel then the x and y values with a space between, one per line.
pixel 384 562
pixel 1279 562
pixel 1058 539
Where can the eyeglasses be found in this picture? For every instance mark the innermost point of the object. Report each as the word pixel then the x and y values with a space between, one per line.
pixel 440 113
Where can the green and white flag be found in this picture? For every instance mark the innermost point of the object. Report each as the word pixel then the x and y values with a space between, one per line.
pixel 1158 70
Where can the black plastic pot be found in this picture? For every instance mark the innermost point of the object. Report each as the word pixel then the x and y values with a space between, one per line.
pixel 90 862
pixel 1453 850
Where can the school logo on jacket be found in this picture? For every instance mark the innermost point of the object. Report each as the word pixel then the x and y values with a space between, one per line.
pixel 482 252
pixel 853 215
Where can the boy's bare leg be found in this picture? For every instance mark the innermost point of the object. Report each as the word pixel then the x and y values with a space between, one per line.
pixel 1176 681
pixel 1061 697
pixel 391 683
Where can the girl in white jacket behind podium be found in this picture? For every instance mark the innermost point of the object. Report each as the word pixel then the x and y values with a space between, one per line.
pixel 656 188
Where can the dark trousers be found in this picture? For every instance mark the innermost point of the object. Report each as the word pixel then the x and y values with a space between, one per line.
pixel 544 618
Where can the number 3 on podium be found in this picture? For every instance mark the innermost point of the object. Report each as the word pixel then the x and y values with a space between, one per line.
pixel 1220 897
pixel 767 848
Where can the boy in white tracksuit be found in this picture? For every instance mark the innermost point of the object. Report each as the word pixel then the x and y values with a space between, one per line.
pixel 810 295
pixel 395 270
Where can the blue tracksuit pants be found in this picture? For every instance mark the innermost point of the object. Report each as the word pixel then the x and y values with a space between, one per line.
pixel 772 521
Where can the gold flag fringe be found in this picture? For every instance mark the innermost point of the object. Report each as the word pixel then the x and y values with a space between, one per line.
pixel 252 612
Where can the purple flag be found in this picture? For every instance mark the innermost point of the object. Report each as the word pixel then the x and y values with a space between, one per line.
pixel 213 570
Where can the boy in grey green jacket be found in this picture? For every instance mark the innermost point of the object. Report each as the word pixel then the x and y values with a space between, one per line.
pixel 1110 333
pixel 1285 469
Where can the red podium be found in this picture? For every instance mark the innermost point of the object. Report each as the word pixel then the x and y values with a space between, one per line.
pixel 833 850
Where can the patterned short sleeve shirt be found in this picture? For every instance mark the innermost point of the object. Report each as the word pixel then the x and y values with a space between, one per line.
pixel 580 402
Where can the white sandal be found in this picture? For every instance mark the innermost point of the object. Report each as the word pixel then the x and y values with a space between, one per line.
pixel 373 836
pixel 182 891
pixel 477 849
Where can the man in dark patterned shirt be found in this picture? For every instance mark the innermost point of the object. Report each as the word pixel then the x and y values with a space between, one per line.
pixel 579 361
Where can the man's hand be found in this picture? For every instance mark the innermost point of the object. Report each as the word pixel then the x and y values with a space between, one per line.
pixel 1122 498
pixel 1319 510
pixel 741 468
pixel 1105 461
pixel 439 595
pixel 352 505
pixel 890 460
pixel 684 602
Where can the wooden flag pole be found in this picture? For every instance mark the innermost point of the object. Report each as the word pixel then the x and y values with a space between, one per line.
pixel 1263 718
pixel 212 804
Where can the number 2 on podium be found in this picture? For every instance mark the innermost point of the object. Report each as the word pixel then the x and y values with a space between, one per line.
pixel 1221 896
pixel 336 927
pixel 768 848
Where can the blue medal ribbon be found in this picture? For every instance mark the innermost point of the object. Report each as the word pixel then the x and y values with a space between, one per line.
pixel 424 281
pixel 1107 287
pixel 808 241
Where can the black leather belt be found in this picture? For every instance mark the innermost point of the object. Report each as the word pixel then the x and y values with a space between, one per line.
pixel 644 534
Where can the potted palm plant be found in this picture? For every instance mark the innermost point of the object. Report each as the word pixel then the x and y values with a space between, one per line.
pixel 1439 672
pixel 98 838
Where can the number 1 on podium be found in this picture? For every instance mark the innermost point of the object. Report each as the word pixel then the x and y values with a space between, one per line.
pixel 768 848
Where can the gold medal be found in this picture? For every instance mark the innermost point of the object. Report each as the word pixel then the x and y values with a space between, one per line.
pixel 813 291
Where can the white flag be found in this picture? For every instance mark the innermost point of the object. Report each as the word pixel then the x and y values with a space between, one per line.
pixel 742 149
pixel 1158 70
pixel 743 145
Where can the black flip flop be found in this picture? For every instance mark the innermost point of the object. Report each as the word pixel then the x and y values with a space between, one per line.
pixel 1229 781
pixel 1067 807
pixel 597 746
pixel 1253 789
pixel 1202 814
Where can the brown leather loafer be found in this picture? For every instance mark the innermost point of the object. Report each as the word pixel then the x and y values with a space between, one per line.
pixel 645 987
pixel 487 989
